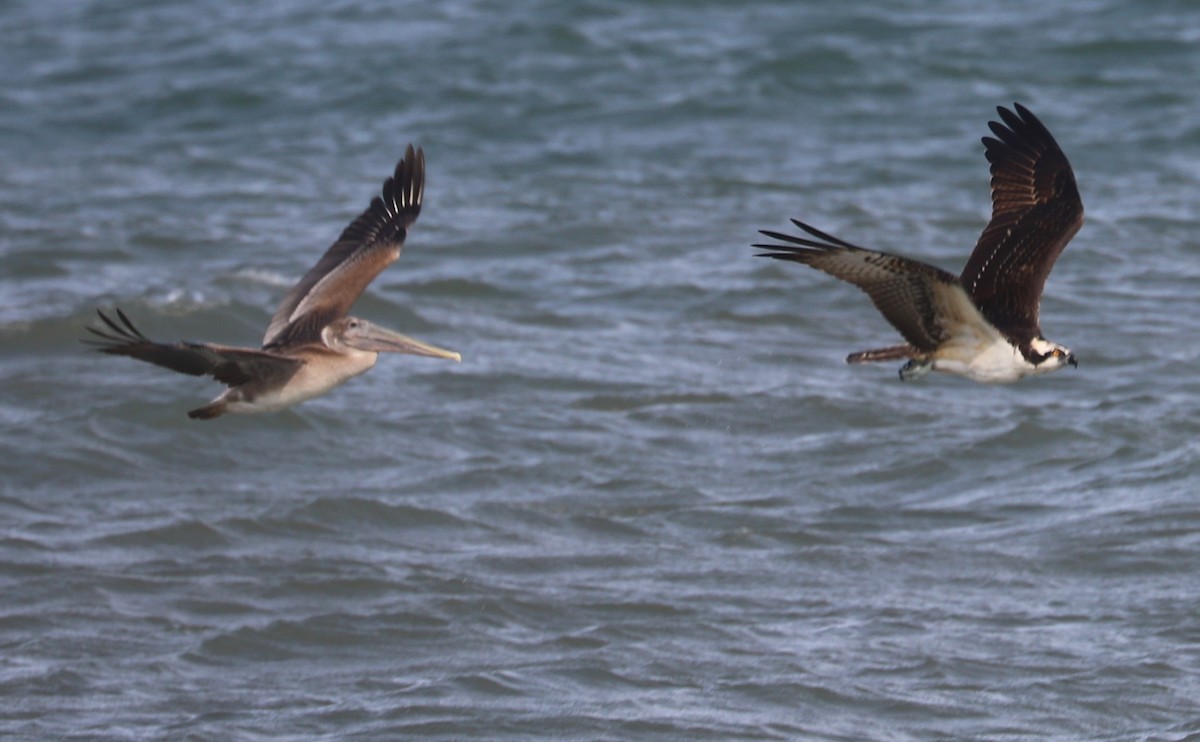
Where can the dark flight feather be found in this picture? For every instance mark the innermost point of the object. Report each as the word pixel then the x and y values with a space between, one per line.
pixel 1036 210
pixel 228 365
pixel 902 289
pixel 369 244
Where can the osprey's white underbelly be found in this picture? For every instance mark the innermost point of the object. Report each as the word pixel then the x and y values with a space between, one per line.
pixel 991 361
pixel 976 349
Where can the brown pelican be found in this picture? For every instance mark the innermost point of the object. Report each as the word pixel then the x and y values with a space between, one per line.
pixel 983 324
pixel 312 344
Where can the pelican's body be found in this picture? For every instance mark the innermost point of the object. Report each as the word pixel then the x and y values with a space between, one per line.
pixel 320 371
pixel 312 345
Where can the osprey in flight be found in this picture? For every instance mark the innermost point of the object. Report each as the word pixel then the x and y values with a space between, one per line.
pixel 983 324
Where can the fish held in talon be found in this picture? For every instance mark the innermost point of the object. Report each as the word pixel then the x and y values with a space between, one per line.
pixel 983 324
pixel 312 343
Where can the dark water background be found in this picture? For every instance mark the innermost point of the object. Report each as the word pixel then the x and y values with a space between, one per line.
pixel 652 502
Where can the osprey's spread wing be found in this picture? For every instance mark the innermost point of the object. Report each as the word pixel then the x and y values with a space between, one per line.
pixel 1036 210
pixel 228 365
pixel 908 292
pixel 371 243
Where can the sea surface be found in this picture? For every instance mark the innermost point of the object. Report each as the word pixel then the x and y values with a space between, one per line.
pixel 652 502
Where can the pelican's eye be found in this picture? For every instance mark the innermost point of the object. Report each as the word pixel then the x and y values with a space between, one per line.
pixel 354 323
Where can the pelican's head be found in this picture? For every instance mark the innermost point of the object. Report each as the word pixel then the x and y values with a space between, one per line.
pixel 352 332
pixel 1052 355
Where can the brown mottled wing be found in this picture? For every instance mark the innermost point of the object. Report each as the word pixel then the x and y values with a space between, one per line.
pixel 902 289
pixel 1036 210
pixel 371 243
pixel 231 366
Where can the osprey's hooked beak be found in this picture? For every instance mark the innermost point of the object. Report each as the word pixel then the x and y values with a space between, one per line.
pixel 1071 360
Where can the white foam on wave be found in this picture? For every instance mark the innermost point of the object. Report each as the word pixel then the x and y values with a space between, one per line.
pixel 263 277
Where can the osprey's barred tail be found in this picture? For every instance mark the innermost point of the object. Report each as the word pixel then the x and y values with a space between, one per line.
pixel 882 354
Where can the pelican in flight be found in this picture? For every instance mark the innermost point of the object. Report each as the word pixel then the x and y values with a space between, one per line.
pixel 983 324
pixel 312 343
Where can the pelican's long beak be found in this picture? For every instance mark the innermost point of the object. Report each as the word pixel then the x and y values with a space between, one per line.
pixel 385 341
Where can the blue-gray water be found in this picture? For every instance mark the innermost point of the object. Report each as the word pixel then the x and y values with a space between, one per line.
pixel 652 502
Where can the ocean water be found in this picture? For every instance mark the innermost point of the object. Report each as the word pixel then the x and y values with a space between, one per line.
pixel 652 502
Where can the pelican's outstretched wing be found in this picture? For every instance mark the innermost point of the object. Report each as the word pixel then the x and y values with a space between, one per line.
pixel 371 243
pixel 228 365
pixel 1036 210
pixel 910 294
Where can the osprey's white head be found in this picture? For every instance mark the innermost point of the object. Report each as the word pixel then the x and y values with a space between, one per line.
pixel 1047 356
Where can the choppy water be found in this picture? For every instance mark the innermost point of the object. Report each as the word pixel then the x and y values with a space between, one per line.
pixel 652 502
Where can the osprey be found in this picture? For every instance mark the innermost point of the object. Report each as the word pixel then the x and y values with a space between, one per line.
pixel 983 324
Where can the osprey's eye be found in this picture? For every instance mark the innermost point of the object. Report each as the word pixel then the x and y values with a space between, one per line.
pixel 1058 353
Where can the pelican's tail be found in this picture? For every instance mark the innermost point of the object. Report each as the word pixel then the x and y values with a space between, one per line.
pixel 208 411
pixel 882 354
